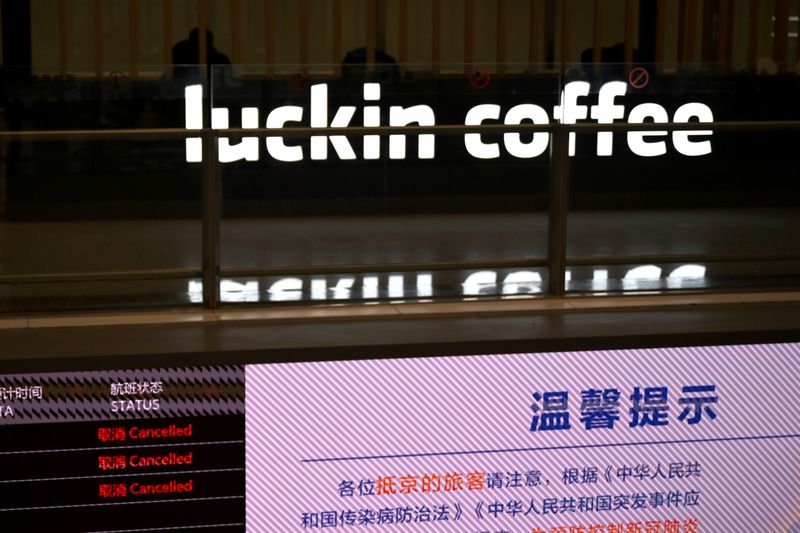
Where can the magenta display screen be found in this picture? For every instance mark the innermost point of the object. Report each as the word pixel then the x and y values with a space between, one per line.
pixel 662 440
pixel 622 441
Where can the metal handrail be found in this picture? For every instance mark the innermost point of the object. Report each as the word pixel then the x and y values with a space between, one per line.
pixel 444 129
pixel 88 277
pixel 363 268
pixel 643 259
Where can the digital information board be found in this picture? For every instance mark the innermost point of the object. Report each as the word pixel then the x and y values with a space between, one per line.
pixel 661 440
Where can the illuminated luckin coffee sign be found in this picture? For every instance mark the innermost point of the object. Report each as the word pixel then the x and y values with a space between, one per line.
pixel 608 109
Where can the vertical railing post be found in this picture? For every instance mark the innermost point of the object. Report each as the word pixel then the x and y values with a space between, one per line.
pixel 304 26
pixel 469 36
pixel 566 33
pixel 133 36
pixel 502 35
pixel 630 20
pixel 167 16
pixel 211 220
pixel 752 36
pixel 402 21
pixel 372 34
pixel 436 44
pixel 780 45
pixel 269 35
pixel 97 15
pixel 63 37
pixel 597 31
pixel 535 35
pixel 559 204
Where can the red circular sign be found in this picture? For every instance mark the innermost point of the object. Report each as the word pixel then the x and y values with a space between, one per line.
pixel 638 78
pixel 300 80
pixel 479 79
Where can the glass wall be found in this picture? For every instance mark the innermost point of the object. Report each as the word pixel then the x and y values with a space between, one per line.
pixel 97 212
pixel 684 209
pixel 334 183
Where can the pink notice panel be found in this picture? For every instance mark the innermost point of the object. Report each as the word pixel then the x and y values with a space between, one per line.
pixel 672 440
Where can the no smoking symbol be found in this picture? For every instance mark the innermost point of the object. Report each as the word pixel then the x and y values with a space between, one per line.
pixel 638 78
pixel 479 80
pixel 300 80
pixel 116 80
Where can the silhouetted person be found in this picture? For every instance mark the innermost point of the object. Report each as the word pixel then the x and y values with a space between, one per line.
pixel 186 53
pixel 354 65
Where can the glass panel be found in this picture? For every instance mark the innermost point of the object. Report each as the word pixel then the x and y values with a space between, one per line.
pixel 437 201
pixel 79 206
pixel 721 201
pixel 104 220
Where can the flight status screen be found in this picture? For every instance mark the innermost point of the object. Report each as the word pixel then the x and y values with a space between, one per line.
pixel 657 440
pixel 138 450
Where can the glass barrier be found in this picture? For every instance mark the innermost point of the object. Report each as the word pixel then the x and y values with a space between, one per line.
pixel 383 184
pixel 378 216
pixel 683 209
pixel 96 215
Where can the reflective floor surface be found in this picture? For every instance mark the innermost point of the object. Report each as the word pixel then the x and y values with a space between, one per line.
pixel 81 247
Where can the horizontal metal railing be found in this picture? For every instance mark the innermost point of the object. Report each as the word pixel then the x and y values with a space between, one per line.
pixel 88 277
pixel 370 268
pixel 555 262
pixel 716 257
pixel 444 129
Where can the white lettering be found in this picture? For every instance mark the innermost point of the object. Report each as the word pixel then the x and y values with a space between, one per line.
pixel 605 112
pixel 569 112
pixel 681 139
pixel 275 145
pixel 343 288
pixel 636 139
pixel 522 282
pixel 319 289
pixel 472 141
pixel 404 116
pixel 424 285
pixel 369 287
pixel 397 286
pixel 513 141
pixel 247 149
pixel 319 119
pixel 372 118
pixel 479 281
pixel 643 272
pixel 286 289
pixel 193 107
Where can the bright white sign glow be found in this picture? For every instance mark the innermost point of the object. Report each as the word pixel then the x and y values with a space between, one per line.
pixel 607 110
